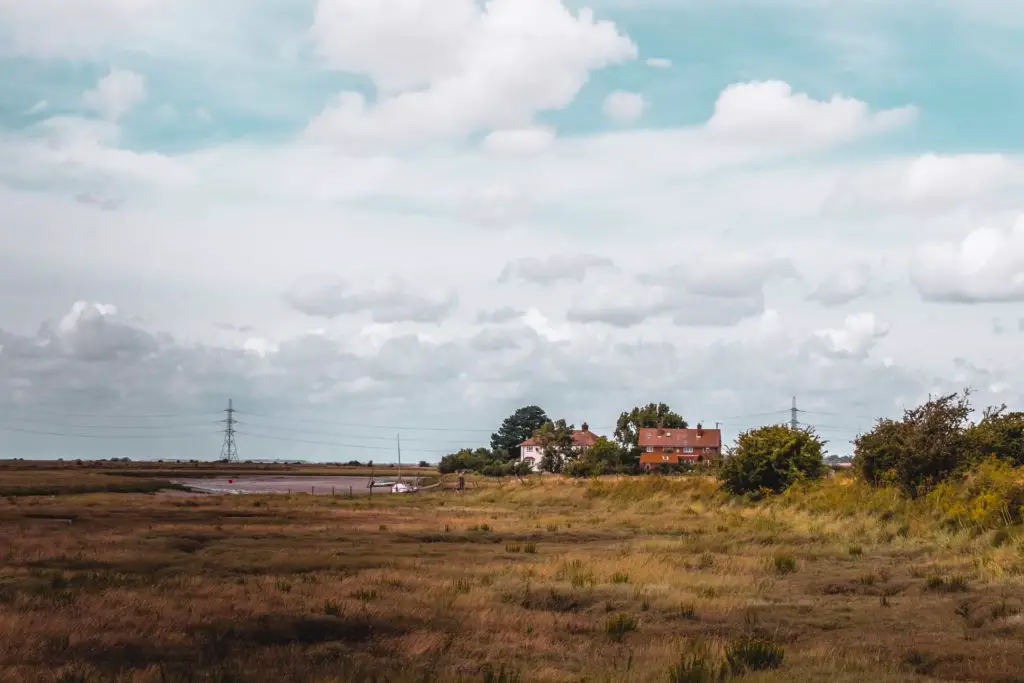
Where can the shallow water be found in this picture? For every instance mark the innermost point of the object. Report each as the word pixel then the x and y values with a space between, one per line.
pixel 321 486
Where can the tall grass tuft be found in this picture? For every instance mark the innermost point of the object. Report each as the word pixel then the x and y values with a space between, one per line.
pixel 618 625
pixel 753 654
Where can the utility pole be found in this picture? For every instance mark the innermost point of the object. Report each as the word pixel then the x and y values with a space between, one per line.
pixel 229 450
pixel 793 421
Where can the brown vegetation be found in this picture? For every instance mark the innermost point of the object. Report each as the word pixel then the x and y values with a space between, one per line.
pixel 621 579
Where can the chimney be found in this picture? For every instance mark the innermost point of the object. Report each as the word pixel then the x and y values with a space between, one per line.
pixel 585 427
pixel 661 427
pixel 700 430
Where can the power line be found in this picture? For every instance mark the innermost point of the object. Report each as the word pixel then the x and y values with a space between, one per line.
pixel 344 435
pixel 331 443
pixel 105 436
pixel 117 426
pixel 404 428
pixel 112 416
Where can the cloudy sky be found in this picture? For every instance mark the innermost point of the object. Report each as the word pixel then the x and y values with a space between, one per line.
pixel 362 218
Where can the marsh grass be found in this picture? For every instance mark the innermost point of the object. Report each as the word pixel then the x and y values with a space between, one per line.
pixel 635 579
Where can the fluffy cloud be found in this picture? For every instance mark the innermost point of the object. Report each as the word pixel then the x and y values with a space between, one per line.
pixel 446 69
pixel 624 107
pixel 387 300
pixel 53 28
pixel 857 336
pixel 681 309
pixel 770 113
pixel 659 62
pixel 532 140
pixel 736 274
pixel 116 94
pixel 987 265
pixel 554 268
pixel 499 315
pixel 843 285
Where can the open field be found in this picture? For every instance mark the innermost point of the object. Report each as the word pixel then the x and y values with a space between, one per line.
pixel 547 580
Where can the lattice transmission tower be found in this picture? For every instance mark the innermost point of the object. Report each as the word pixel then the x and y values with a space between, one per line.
pixel 229 450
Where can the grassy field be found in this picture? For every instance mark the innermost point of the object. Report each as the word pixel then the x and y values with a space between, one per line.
pixel 642 579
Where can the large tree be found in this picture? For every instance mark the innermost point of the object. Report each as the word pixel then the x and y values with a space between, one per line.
pixel 517 428
pixel 627 429
pixel 555 440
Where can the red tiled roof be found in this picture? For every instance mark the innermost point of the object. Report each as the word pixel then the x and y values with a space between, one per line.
pixel 679 438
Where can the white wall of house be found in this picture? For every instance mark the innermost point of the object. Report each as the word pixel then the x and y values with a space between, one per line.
pixel 531 455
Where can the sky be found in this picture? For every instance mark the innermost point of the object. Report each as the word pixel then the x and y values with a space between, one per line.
pixel 362 220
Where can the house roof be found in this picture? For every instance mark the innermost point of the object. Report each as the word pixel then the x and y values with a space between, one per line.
pixel 679 438
pixel 580 437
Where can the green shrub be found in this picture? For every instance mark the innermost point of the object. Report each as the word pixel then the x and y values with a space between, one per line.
pixel 770 459
pixel 530 548
pixel 620 577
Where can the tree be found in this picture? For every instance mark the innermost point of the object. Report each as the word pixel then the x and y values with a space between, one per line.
pixel 628 426
pixel 603 457
pixel 556 444
pixel 466 459
pixel 770 459
pixel 517 428
pixel 998 434
pixel 927 446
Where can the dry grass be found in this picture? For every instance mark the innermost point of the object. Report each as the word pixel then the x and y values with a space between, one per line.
pixel 645 579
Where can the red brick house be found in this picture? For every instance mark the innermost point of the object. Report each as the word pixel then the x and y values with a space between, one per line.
pixel 668 446
pixel 530 451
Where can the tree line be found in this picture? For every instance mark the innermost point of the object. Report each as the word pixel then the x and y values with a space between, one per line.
pixel 619 455
pixel 931 448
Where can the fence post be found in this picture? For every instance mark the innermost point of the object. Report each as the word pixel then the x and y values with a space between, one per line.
pixel 349 491
pixel 312 490
pixel 332 492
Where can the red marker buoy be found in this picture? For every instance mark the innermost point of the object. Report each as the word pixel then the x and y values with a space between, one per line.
pixel 231 481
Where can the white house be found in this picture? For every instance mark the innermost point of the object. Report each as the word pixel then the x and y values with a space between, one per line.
pixel 531 452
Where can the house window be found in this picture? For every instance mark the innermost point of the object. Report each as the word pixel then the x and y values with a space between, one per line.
pixel 665 458
pixel 670 450
pixel 650 449
pixel 687 450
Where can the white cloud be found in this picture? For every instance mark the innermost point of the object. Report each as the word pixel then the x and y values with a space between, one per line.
pixel 624 107
pixel 55 28
pixel 857 337
pixel 659 63
pixel 445 69
pixel 843 285
pixel 116 94
pixel 987 265
pixel 555 268
pixel 770 113
pixel 531 140
pixel 38 107
pixel 386 299
pixel 734 274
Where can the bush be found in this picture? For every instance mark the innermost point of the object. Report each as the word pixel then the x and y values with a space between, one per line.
pixel 918 452
pixel 770 459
